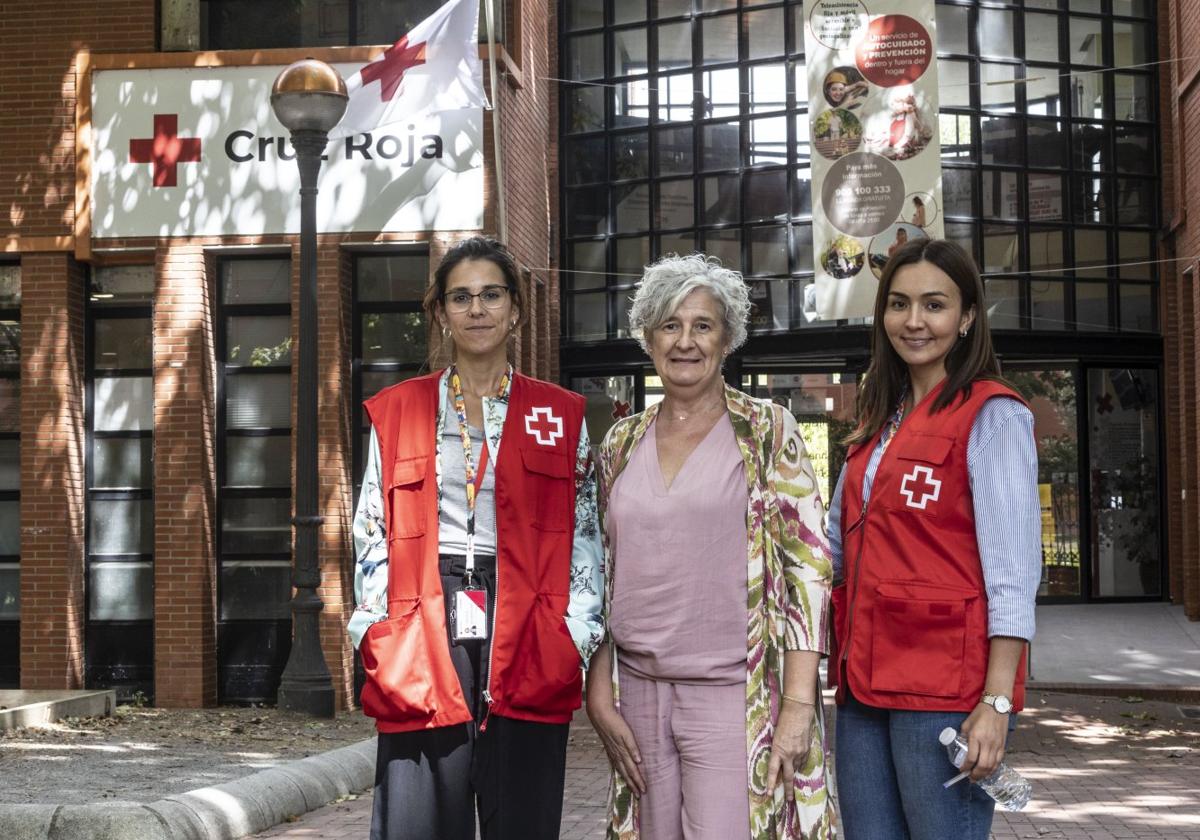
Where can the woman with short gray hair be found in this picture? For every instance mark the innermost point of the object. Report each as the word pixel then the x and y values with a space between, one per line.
pixel 709 509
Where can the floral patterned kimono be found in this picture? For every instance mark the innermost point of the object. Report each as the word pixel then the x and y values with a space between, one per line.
pixel 789 572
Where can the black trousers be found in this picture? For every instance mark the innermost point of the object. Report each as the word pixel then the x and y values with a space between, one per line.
pixel 429 783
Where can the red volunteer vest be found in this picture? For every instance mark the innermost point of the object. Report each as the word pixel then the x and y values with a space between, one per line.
pixel 911 621
pixel 535 673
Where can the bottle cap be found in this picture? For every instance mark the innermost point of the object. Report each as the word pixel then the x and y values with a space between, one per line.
pixel 948 735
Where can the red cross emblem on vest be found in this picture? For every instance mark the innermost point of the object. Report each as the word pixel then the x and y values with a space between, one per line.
pixel 543 426
pixel 920 487
pixel 165 150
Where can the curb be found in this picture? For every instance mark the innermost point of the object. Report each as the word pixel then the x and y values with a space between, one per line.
pixel 1186 694
pixel 224 812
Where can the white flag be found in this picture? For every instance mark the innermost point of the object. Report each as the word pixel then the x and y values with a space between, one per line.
pixel 435 67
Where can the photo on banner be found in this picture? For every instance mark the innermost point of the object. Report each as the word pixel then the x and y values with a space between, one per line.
pixel 873 115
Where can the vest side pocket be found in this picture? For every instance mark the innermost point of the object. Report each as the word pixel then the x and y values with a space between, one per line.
pixel 551 677
pixel 406 508
pixel 918 638
pixel 548 473
pixel 399 683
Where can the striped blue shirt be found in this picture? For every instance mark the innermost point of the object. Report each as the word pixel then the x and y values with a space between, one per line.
pixel 1002 465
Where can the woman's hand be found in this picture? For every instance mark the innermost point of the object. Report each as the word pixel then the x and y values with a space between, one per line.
pixel 986 731
pixel 790 746
pixel 619 743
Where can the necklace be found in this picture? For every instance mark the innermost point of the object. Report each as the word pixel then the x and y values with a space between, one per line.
pixel 700 412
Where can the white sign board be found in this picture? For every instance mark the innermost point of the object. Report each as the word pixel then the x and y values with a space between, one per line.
pixel 198 152
pixel 873 121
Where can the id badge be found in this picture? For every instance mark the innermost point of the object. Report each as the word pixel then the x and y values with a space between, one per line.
pixel 469 619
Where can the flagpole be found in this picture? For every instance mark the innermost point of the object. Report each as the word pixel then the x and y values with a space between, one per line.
pixel 501 210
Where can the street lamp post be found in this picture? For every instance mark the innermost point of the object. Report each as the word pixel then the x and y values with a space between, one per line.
pixel 308 97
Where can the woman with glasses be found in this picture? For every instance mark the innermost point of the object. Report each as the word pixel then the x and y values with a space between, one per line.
pixel 478 578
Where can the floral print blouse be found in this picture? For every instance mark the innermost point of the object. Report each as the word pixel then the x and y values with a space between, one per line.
pixel 789 573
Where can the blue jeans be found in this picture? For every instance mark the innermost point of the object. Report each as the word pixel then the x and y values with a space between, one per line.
pixel 890 770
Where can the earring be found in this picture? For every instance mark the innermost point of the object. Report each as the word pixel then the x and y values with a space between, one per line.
pixel 962 334
pixel 445 332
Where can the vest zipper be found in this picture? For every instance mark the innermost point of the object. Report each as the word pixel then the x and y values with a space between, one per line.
pixel 487 691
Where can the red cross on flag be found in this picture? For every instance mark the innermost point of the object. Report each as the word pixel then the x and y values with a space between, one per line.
pixel 435 67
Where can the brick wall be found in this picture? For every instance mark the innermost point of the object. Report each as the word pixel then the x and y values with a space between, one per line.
pixel 37 101
pixel 52 472
pixel 185 584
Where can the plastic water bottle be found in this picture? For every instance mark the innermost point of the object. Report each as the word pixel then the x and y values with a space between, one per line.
pixel 1009 788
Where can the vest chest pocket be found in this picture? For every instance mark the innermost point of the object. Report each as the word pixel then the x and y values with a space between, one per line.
pixel 405 496
pixel 920 467
pixel 548 474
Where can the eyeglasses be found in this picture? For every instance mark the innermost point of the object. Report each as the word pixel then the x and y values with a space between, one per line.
pixel 460 300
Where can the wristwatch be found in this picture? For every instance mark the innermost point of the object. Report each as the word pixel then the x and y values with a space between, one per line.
pixel 998 702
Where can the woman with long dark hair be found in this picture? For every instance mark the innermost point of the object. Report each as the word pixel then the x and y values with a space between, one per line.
pixel 935 530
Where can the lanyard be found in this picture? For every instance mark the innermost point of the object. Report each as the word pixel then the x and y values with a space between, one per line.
pixel 474 476
pixel 893 423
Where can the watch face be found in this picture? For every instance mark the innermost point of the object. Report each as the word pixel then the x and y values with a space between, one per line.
pixel 1003 705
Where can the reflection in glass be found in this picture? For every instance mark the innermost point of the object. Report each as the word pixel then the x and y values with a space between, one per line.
pixel 1123 462
pixel 122 463
pixel 628 11
pixel 393 337
pixel 768 141
pixel 609 398
pixel 1090 199
pixel 1091 307
pixel 1135 251
pixel 10 405
pixel 1091 249
pixel 1133 98
pixel 720 38
pixel 256 281
pixel 954 83
pixel 721 145
pixel 996 33
pixel 257 340
pixel 1043 93
pixel 585 108
pixel 391 277
pixel 258 401
pixel 121 591
pixel 675 151
pixel 631 103
pixel 587 212
pixel 585 57
pixel 721 92
pixel 260 460
pixel 120 526
pixel 1135 150
pixel 10 592
pixel 1001 248
pixel 766 194
pixel 374 381
pixel 802 247
pixel 674 45
pixel 1041 37
pixel 1131 44
pixel 629 52
pixel 1046 250
pixel 256 589
pixel 765 32
pixel 769 253
pixel 725 245
pixel 957 136
pixel 1046 143
pixel 256 525
pixel 1003 298
pixel 633 207
pixel 1047 310
pixel 1135 201
pixel 997 88
pixel 588 264
pixel 1137 308
pixel 1001 197
pixel 952 29
pixel 768 87
pixel 802 194
pixel 10 465
pixel 589 319
pixel 130 284
pixel 631 155
pixel 584 15
pixel 585 159
pixel 1051 395
pixel 10 528
pixel 632 255
pixel 957 190
pixel 124 404
pixel 1001 140
pixel 721 202
pixel 10 346
pixel 10 284
pixel 676 200
pixel 676 98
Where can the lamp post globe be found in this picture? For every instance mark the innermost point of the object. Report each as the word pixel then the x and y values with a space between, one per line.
pixel 308 97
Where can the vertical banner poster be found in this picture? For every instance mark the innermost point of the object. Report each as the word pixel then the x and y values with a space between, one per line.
pixel 876 162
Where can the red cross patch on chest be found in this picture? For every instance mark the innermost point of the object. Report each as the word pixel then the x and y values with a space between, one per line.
pixel 543 426
pixel 920 488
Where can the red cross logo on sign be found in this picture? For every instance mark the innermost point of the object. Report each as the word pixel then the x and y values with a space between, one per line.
pixel 921 481
pixel 165 150
pixel 541 421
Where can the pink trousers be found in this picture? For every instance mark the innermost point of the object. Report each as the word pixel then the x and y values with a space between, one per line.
pixel 693 744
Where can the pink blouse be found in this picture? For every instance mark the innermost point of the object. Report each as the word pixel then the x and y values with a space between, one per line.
pixel 679 610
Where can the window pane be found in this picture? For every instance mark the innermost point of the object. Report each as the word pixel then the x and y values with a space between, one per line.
pixel 1046 308
pixel 720 39
pixel 124 403
pixel 675 151
pixel 10 465
pixel 768 87
pixel 675 45
pixel 1135 150
pixel 628 11
pixel 996 33
pixel 10 592
pixel 1046 251
pixel 765 32
pixel 10 527
pixel 584 160
pixel 957 190
pixel 957 136
pixel 721 92
pixel 585 108
pixel 256 281
pixel 256 589
pixel 258 402
pixel 10 405
pixel 766 194
pixel 259 461
pixel 802 194
pixel 1003 303
pixel 122 462
pixel 392 277
pixel 631 105
pixel 1133 101
pixel 1131 43
pixel 768 252
pixel 802 258
pixel 1090 147
pixel 10 284
pixel 1001 248
pixel 1135 201
pixel 1041 37
pixel 120 591
pixel 721 203
pixel 632 255
pixel 631 155
pixel 952 29
pixel 633 207
pixel 670 8
pixel 676 243
pixel 256 525
pixel 1091 306
pixel 587 267
pixel 997 90
pixel 120 526
pixel 720 145
pixel 10 346
pixel 1045 196
pixel 609 398
pixel 1002 140
pixel 259 341
pixel 1044 93
pixel 374 381
pixel 582 15
pixel 1135 250
pixel 589 317
pixel 1091 249
pixel 1086 41
pixel 1046 144
pixel 124 284
pixel 1137 308
pixel 1001 198
pixel 585 57
pixel 725 245
pixel 587 212
pixel 768 141
pixel 954 83
pixel 1090 200
pixel 393 337
pixel 629 52
pixel 676 95
pixel 676 200
pixel 121 343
